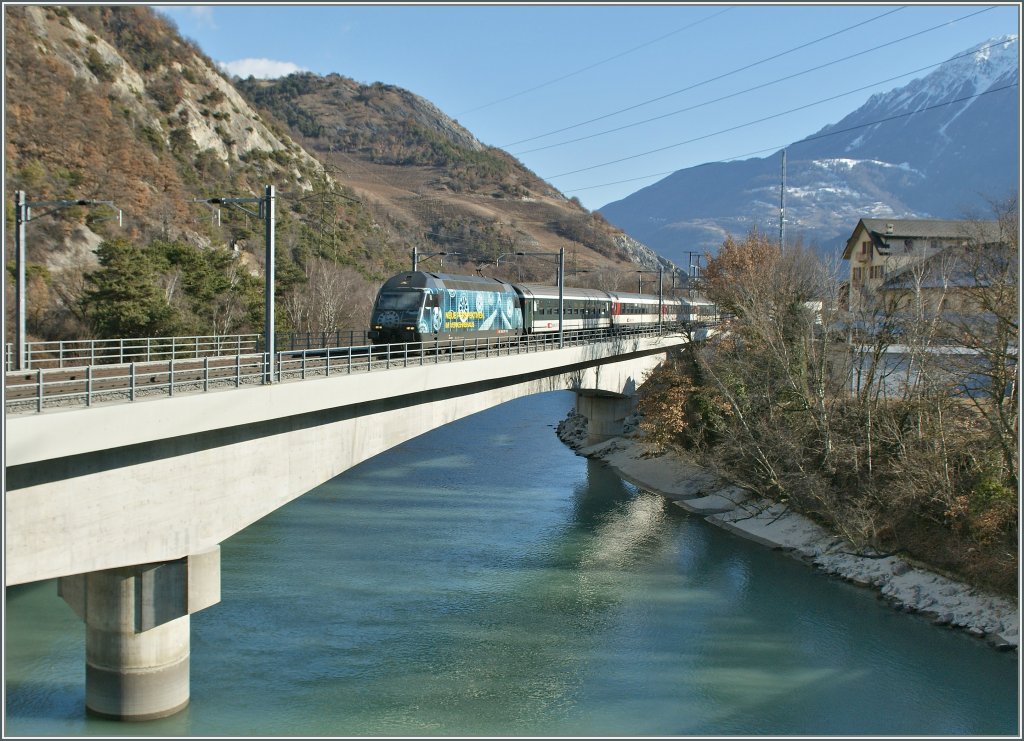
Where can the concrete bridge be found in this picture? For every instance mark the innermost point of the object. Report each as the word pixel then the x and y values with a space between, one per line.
pixel 126 504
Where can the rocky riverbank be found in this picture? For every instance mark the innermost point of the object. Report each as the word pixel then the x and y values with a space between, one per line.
pixel 905 586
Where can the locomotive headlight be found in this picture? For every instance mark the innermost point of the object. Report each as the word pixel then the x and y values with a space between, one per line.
pixel 410 329
pixel 377 326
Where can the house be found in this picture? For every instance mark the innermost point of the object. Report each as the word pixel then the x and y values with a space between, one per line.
pixel 881 249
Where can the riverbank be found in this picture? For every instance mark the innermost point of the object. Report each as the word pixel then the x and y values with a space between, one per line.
pixel 699 491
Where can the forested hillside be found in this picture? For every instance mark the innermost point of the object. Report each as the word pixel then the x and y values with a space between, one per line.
pixel 109 103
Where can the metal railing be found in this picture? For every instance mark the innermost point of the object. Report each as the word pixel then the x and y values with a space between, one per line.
pixel 78 353
pixel 39 389
pixel 313 340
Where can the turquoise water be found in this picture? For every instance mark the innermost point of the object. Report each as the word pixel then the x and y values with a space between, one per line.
pixel 484 580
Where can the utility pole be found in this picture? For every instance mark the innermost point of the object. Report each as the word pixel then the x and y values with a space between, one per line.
pixel 661 294
pixel 561 297
pixel 560 279
pixel 265 212
pixel 268 283
pixel 416 257
pixel 782 206
pixel 23 215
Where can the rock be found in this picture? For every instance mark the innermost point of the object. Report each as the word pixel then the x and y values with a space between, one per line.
pixel 900 568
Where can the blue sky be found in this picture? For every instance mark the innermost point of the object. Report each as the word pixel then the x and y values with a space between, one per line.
pixel 514 74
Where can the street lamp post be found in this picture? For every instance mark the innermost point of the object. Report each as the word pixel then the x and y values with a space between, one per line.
pixel 23 215
pixel 265 212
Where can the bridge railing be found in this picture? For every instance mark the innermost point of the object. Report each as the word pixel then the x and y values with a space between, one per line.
pixel 39 389
pixel 80 353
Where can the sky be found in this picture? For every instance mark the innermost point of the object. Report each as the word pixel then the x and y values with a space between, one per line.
pixel 602 100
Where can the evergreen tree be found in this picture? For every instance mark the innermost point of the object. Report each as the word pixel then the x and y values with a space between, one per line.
pixel 124 298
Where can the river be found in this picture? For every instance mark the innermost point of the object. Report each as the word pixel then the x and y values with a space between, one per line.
pixel 483 580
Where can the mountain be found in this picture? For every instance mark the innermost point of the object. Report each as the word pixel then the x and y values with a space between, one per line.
pixel 110 103
pixel 458 195
pixel 946 161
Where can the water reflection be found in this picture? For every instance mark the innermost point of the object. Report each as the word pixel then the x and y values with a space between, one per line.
pixel 487 581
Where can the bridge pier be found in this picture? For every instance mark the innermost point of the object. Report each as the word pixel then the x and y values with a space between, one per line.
pixel 605 414
pixel 138 630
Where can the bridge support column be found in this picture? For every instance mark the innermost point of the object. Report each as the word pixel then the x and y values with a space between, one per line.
pixel 137 632
pixel 605 414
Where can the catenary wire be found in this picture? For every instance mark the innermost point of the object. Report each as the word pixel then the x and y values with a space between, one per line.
pixel 711 79
pixel 806 139
pixel 743 125
pixel 752 89
pixel 591 66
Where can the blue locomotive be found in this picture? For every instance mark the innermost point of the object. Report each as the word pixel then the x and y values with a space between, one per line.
pixel 418 306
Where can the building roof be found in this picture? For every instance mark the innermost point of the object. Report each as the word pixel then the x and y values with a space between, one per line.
pixel 884 230
pixel 954 268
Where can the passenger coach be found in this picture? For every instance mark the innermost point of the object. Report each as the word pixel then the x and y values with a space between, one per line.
pixel 584 308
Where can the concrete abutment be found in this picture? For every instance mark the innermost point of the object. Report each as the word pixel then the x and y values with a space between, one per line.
pixel 606 414
pixel 137 638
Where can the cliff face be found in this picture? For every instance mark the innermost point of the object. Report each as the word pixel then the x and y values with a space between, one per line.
pixel 83 119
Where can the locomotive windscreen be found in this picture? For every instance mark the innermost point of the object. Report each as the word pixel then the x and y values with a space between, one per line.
pixel 400 301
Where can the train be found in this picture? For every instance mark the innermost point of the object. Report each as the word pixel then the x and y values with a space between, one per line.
pixel 424 307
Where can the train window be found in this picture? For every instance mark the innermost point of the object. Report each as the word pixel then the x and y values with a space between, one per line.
pixel 402 301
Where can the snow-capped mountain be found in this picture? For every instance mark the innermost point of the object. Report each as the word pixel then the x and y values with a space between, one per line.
pixel 958 150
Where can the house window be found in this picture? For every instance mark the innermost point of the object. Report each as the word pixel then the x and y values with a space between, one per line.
pixel 858 275
pixel 864 247
pixel 878 271
pixel 908 245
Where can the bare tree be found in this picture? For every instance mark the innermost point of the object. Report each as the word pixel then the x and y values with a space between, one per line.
pixel 898 425
pixel 985 324
pixel 334 296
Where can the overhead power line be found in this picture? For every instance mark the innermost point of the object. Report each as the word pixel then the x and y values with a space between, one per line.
pixel 591 66
pixel 712 79
pixel 758 87
pixel 807 139
pixel 743 125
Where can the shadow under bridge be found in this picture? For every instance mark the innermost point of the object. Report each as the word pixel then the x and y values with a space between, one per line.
pixel 126 504
pixel 108 486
